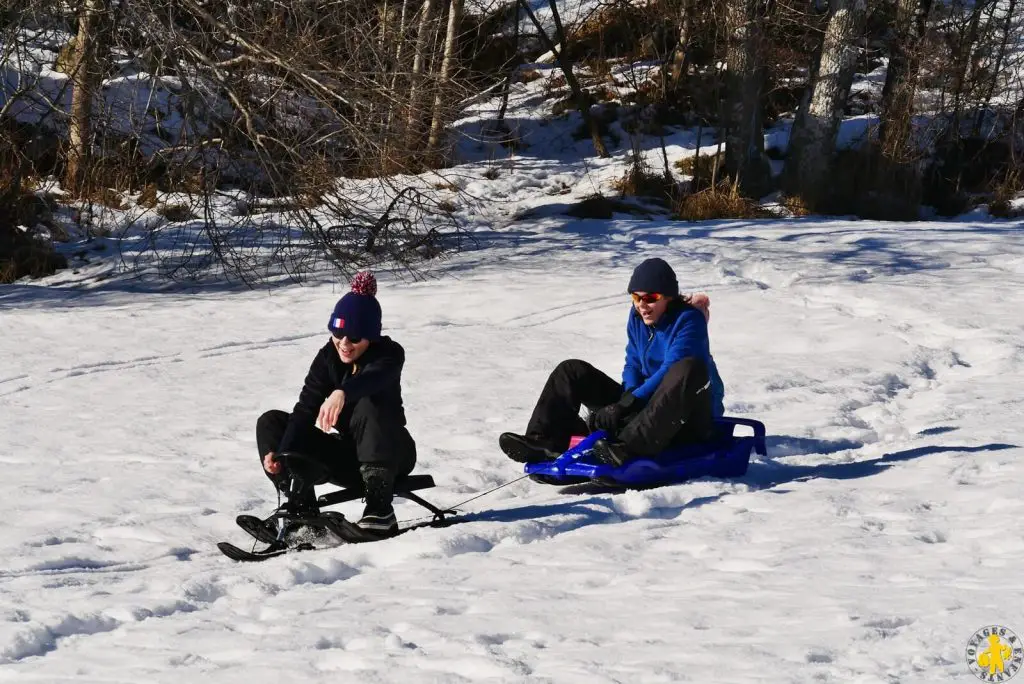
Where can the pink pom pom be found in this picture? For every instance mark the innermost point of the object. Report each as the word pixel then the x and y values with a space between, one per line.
pixel 365 284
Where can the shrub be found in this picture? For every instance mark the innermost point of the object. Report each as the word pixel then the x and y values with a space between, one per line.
pixel 723 202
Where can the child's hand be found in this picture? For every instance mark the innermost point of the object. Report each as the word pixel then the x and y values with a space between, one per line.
pixel 271 464
pixel 330 410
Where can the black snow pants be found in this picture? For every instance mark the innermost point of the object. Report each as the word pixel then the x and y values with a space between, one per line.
pixel 678 412
pixel 369 433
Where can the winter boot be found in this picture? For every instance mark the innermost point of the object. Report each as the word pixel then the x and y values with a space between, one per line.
pixel 379 515
pixel 300 498
pixel 611 452
pixel 298 514
pixel 528 448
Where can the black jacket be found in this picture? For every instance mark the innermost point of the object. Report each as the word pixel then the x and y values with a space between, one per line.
pixel 377 373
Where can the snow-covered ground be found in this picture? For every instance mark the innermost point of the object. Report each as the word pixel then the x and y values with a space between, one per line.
pixel 881 531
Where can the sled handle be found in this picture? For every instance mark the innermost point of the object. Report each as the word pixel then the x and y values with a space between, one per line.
pixel 755 425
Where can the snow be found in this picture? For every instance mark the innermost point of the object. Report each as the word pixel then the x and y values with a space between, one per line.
pixel 880 532
pixel 882 529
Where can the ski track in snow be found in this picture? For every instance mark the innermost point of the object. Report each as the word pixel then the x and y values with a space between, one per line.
pixel 878 534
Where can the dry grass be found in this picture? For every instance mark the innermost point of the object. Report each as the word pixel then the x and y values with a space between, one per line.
pixel 1001 208
pixel 555 81
pixel 175 213
pixel 705 163
pixel 705 170
pixel 796 205
pixel 106 197
pixel 528 76
pixel 1003 194
pixel 601 207
pixel 639 183
pixel 8 271
pixel 22 255
pixel 597 68
pixel 148 197
pixel 722 202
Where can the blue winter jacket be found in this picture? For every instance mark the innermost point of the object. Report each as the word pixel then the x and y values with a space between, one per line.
pixel 651 351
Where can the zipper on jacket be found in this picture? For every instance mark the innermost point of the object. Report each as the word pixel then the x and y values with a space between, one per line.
pixel 650 338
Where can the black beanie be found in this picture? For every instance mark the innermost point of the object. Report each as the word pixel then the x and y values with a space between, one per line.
pixel 358 314
pixel 654 275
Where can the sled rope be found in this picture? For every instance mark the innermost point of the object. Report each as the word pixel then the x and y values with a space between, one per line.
pixel 478 496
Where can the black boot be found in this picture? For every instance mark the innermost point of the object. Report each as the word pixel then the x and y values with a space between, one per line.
pixel 379 515
pixel 527 449
pixel 611 452
pixel 300 498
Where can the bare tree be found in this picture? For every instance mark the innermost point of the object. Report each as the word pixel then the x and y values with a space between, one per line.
pixel 901 78
pixel 744 151
pixel 813 138
pixel 86 73
pixel 966 38
pixel 681 52
pixel 419 67
pixel 1006 37
pixel 247 101
pixel 445 75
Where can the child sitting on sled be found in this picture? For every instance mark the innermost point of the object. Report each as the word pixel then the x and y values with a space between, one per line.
pixel 670 390
pixel 354 388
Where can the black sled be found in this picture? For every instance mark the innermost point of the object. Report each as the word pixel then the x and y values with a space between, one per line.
pixel 288 529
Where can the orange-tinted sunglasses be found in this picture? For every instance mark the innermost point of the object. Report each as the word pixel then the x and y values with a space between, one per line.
pixel 649 298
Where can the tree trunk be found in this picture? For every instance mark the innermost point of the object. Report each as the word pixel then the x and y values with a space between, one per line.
pixel 812 142
pixel 516 61
pixel 401 40
pixel 418 67
pixel 897 106
pixel 962 60
pixel 445 77
pixel 1001 52
pixel 744 147
pixel 86 74
pixel 681 54
pixel 580 97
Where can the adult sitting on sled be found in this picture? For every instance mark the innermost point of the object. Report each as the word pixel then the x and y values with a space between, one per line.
pixel 354 387
pixel 670 387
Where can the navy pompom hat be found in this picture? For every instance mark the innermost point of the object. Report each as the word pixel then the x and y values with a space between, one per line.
pixel 358 314
pixel 654 275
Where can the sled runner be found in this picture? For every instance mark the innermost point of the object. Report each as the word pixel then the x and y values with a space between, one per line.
pixel 289 530
pixel 726 456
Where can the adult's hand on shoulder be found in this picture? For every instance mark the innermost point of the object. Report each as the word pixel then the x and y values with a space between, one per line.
pixel 701 301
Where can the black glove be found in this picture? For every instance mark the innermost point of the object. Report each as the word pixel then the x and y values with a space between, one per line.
pixel 612 416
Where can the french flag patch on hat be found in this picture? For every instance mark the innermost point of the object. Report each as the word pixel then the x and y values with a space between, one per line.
pixel 337 322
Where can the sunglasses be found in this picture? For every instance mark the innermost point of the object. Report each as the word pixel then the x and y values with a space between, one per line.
pixel 649 298
pixel 352 339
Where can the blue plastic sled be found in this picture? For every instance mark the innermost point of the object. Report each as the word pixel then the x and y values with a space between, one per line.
pixel 726 456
